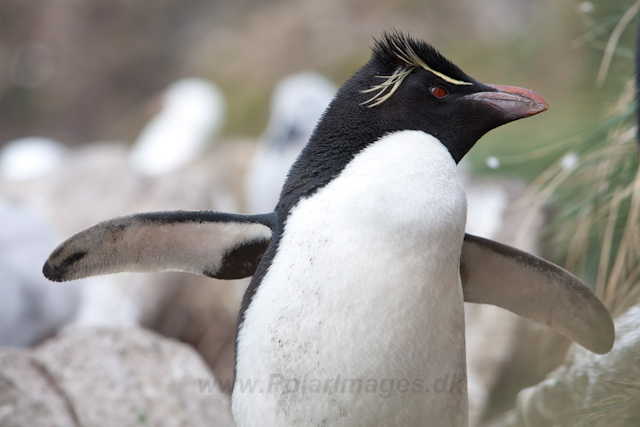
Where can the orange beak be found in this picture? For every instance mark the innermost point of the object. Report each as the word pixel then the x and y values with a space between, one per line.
pixel 513 101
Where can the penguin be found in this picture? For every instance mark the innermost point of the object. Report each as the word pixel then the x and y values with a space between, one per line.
pixel 29 158
pixel 30 309
pixel 354 315
pixel 193 112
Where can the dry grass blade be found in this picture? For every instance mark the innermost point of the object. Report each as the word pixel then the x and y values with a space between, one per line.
pixel 623 23
pixel 596 232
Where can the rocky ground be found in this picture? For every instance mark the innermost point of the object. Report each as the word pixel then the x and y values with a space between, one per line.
pixel 122 376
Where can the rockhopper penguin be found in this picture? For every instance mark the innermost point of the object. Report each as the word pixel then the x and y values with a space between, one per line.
pixel 354 315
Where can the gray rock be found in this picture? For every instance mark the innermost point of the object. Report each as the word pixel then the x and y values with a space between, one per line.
pixel 28 396
pixel 109 377
pixel 588 389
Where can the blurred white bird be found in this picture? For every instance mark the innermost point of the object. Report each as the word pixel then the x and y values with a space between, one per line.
pixel 29 158
pixel 193 112
pixel 31 309
pixel 297 104
pixel 487 202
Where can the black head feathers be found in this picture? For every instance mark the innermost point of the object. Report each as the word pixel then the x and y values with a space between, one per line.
pixel 401 55
pixel 403 51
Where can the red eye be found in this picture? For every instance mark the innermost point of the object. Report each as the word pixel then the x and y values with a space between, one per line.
pixel 439 92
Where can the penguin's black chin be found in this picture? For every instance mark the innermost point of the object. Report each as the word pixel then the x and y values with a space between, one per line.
pixel 513 102
pixel 491 108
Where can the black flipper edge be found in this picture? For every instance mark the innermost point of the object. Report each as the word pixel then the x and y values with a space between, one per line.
pixel 213 244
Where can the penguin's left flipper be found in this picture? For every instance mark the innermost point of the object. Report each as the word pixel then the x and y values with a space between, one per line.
pixel 213 244
pixel 497 274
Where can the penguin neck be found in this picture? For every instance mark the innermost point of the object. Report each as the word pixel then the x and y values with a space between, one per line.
pixel 324 160
pixel 345 129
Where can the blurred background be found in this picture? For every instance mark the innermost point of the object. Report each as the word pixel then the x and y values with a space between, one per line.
pixel 80 72
pixel 114 107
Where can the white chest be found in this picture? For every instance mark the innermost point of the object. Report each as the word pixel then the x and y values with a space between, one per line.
pixel 361 311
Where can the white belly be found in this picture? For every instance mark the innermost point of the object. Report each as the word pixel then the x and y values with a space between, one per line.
pixel 359 320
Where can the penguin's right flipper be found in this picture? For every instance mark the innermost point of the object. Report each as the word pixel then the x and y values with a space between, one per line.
pixel 213 244
pixel 497 274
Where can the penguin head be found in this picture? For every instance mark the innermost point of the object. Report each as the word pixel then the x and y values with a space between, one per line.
pixel 408 85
